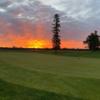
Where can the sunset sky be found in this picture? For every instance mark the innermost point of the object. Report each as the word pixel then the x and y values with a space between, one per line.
pixel 28 23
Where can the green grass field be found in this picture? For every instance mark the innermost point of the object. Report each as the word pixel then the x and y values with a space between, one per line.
pixel 49 76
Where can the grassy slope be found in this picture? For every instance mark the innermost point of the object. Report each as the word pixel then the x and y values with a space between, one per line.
pixel 33 76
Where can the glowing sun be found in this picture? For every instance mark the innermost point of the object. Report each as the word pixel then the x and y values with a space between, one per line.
pixel 36 44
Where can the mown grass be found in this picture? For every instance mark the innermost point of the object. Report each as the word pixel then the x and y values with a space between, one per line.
pixel 73 53
pixel 35 76
pixel 9 91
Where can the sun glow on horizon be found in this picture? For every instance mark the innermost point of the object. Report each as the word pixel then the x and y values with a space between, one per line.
pixel 36 44
pixel 28 41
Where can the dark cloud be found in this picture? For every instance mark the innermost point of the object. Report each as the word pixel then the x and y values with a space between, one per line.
pixel 77 20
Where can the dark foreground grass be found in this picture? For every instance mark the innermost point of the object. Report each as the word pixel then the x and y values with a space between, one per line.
pixel 35 76
pixel 9 91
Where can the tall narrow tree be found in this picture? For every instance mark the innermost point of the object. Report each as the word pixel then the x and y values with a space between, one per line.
pixel 56 30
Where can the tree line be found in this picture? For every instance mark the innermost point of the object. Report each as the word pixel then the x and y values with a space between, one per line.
pixel 92 40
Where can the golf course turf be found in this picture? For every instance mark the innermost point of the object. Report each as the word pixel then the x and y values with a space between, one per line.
pixel 49 76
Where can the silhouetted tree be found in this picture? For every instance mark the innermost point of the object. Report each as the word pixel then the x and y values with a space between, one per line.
pixel 56 30
pixel 93 41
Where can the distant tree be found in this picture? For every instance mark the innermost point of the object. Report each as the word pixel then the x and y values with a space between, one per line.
pixel 56 30
pixel 93 41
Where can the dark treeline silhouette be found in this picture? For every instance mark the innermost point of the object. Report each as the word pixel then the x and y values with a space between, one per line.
pixel 28 50
pixel 93 41
pixel 56 30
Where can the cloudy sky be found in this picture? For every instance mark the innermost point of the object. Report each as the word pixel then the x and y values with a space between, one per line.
pixel 23 22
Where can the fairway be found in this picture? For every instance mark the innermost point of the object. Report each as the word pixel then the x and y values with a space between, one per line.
pixel 38 76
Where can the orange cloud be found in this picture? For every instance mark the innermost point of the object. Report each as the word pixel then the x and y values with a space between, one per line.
pixel 72 44
pixel 31 37
pixel 28 41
